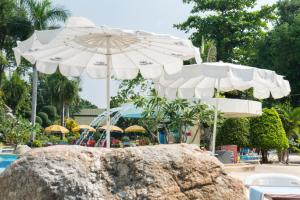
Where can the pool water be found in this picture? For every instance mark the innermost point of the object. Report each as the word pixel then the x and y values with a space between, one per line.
pixel 6 160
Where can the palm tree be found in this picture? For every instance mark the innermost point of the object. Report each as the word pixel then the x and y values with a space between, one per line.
pixel 152 106
pixel 42 15
pixel 63 92
pixel 13 26
pixel 290 118
pixel 178 113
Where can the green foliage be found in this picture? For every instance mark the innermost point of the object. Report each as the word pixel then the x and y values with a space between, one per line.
pixel 70 124
pixel 44 118
pixel 63 91
pixel 16 93
pixel 279 50
pixel 130 90
pixel 72 137
pixel 231 25
pixel 17 131
pixel 51 111
pixel 152 106
pixel 288 10
pixel 54 139
pixel 37 143
pixel 234 132
pixel 39 120
pixel 81 104
pixel 290 118
pixel 12 20
pixel 267 131
pixel 178 114
pixel 43 14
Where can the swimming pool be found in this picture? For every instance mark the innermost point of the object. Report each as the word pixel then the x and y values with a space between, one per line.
pixel 6 160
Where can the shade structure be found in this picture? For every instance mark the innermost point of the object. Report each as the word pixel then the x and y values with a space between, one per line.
pixel 201 81
pixel 56 129
pixel 135 129
pixel 84 127
pixel 103 52
pixel 112 128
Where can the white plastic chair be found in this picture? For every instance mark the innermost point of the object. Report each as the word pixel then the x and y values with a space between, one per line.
pixel 273 179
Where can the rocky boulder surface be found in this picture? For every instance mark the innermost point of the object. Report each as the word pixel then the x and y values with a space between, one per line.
pixel 22 149
pixel 163 172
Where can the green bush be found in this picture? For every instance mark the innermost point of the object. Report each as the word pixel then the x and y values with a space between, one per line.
pixel 44 118
pixel 27 114
pixel 39 120
pixel 73 137
pixel 51 112
pixel 234 132
pixel 71 123
pixel 37 143
pixel 54 139
pixel 17 131
pixel 43 115
pixel 267 132
pixel 63 141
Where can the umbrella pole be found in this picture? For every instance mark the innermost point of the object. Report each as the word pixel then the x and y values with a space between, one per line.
pixel 108 81
pixel 215 119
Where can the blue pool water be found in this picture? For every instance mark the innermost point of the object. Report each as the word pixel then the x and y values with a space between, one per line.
pixel 6 160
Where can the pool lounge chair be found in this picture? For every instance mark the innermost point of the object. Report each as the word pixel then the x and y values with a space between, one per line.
pixel 273 186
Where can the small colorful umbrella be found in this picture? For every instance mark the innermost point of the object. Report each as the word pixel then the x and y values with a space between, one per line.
pixel 112 128
pixel 83 127
pixel 135 129
pixel 56 129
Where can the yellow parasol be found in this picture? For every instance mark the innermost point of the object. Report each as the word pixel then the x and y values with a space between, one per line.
pixel 56 129
pixel 83 127
pixel 112 128
pixel 135 129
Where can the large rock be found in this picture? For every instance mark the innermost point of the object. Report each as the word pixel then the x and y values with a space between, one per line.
pixel 153 172
pixel 22 149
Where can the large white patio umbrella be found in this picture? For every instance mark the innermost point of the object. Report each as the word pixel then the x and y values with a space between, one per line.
pixel 201 81
pixel 103 52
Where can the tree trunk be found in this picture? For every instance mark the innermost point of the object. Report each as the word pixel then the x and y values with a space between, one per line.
pixel 264 154
pixel 34 98
pixel 280 156
pixel 1 73
pixel 62 113
pixel 287 154
pixel 67 111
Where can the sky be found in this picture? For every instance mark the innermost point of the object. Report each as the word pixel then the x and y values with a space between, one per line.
pixel 150 15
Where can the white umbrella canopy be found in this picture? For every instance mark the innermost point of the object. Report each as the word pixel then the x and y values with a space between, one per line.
pixel 201 81
pixel 81 45
pixel 103 52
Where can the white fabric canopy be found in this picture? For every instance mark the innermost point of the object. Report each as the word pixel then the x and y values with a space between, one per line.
pixel 201 80
pixel 104 52
pixel 81 45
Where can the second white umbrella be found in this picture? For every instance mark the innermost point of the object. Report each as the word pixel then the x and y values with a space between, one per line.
pixel 201 81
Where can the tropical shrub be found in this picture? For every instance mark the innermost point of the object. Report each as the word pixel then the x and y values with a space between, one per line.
pixel 234 131
pixel 16 94
pixel 54 139
pixel 44 118
pixel 267 132
pixel 19 131
pixel 51 111
pixel 39 120
pixel 71 123
pixel 37 143
pixel 72 137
